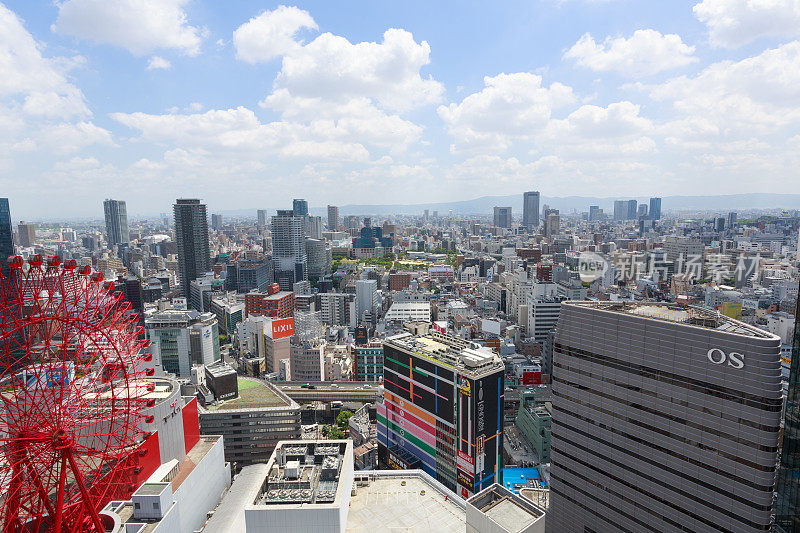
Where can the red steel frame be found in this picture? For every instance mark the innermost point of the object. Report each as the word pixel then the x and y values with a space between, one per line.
pixel 70 391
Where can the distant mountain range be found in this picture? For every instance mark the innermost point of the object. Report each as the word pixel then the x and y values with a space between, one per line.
pixel 566 204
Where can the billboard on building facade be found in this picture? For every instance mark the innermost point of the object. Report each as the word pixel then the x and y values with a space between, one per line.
pixel 283 327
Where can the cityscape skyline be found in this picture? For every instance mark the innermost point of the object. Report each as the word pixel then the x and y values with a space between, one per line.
pixel 482 206
pixel 567 98
pixel 518 267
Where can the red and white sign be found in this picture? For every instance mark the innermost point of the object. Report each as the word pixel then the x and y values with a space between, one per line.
pixel 465 462
pixel 283 327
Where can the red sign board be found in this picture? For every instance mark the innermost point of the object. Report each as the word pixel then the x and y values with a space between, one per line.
pixel 531 378
pixel 283 327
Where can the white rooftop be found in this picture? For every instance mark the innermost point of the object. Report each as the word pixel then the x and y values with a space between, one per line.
pixel 395 504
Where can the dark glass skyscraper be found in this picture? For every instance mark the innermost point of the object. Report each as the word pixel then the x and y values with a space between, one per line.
pixel 502 217
pixel 116 222
pixel 655 208
pixel 632 206
pixel 191 234
pixel 6 233
pixel 530 209
pixel 300 207
pixel 787 507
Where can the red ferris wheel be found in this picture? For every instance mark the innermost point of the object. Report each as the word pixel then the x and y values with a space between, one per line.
pixel 70 383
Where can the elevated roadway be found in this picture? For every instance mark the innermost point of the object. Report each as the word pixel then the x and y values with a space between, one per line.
pixel 329 391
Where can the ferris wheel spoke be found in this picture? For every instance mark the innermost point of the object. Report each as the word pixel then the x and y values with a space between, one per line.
pixel 62 479
pixel 85 493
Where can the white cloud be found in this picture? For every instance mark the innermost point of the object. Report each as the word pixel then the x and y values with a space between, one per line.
pixel 332 68
pixel 158 63
pixel 509 175
pixel 332 90
pixel 68 138
pixel 594 122
pixel 139 26
pixel 614 131
pixel 39 82
pixel 511 105
pixel 646 52
pixel 732 23
pixel 271 34
pixel 757 94
pixel 38 102
pixel 357 116
pixel 238 131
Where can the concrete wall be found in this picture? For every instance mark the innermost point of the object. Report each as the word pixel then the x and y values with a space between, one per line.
pixel 202 489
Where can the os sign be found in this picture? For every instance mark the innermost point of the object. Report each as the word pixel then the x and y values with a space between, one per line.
pixel 718 357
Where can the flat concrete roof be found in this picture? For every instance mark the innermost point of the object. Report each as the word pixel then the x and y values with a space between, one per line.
pixel 388 505
pixel 229 515
pixel 690 316
pixel 193 458
pixel 510 515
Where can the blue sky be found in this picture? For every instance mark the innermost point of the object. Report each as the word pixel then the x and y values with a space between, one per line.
pixel 249 104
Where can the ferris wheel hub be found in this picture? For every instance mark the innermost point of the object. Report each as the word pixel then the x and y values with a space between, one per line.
pixel 61 440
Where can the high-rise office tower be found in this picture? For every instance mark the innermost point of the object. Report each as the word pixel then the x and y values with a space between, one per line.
pixel 216 221
pixel 620 209
pixel 731 219
pixel 552 225
pixel 787 506
pixel 664 420
pixel 442 410
pixel 6 235
pixel 530 209
pixel 288 249
pixel 191 234
pixel 594 212
pixel 300 207
pixel 502 217
pixel 632 205
pixel 655 208
pixel 333 218
pixel 116 222
pixel 27 234
pixel 261 218
pixel 314 227
pixel 366 298
pixel 642 211
pixel 320 257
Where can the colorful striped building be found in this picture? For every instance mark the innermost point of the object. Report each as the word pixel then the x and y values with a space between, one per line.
pixel 442 410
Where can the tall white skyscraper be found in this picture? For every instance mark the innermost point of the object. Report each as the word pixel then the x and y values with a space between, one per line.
pixel 366 297
pixel 289 249
pixel 261 216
